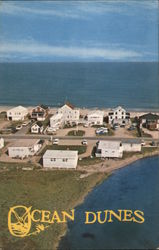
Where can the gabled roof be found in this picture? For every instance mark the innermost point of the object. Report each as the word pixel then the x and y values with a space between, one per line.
pixel 39 124
pixel 69 105
pixel 149 116
pixel 18 108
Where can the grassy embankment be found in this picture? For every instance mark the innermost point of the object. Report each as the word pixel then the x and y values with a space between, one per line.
pixel 76 133
pixel 80 148
pixel 46 190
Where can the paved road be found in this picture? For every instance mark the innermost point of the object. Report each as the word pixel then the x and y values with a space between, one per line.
pixel 95 138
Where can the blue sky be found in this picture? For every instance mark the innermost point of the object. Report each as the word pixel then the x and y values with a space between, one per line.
pixel 68 31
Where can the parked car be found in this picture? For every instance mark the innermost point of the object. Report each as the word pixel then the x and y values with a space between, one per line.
pixel 18 127
pixel 56 142
pixel 101 131
pixel 84 142
pixel 86 125
pixel 131 128
pixel 25 124
pixel 51 130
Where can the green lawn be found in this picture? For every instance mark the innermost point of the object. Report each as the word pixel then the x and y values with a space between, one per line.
pixel 45 190
pixel 76 133
pixel 80 148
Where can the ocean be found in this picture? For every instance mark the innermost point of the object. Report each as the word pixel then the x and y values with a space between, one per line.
pixel 103 85
pixel 135 187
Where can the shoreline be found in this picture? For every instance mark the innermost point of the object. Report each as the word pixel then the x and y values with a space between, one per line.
pixel 108 172
pixel 85 110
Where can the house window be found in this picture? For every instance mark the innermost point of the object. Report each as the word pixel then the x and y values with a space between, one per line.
pixel 53 159
pixel 65 159
pixel 116 113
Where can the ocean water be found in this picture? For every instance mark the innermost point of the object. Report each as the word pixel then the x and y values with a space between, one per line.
pixel 133 85
pixel 135 187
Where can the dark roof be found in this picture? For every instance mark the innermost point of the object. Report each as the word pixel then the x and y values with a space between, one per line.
pixel 69 105
pixel 43 106
pixel 39 124
pixel 149 116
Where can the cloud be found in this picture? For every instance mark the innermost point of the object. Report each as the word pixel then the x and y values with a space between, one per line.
pixel 75 10
pixel 33 50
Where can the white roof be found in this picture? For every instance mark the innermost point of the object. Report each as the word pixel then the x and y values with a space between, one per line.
pixel 117 108
pixel 96 113
pixel 24 143
pixel 56 116
pixel 18 108
pixel 60 154
pixel 109 144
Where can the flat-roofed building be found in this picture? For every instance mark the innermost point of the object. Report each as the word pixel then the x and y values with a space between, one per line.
pixel 66 159
pixel 24 148
pixel 131 145
pixel 109 149
pixel 96 117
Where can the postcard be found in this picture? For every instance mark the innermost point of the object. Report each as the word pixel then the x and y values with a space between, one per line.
pixel 79 125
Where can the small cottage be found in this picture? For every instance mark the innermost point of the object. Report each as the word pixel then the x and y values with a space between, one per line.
pixel 24 148
pixel 37 128
pixel 60 159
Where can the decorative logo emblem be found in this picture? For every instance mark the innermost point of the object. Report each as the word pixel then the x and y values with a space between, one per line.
pixel 19 221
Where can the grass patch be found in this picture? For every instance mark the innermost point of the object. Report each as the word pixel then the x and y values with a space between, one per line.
pixel 144 150
pixel 46 190
pixel 76 133
pixel 86 161
pixel 80 148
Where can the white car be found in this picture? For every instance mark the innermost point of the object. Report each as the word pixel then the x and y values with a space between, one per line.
pixel 25 124
pixel 86 125
pixel 51 130
pixel 56 142
pixel 84 142
pixel 19 127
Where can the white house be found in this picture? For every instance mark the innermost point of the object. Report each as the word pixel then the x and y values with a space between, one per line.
pixel 1 143
pixel 56 120
pixel 96 117
pixel 118 115
pixel 37 128
pixel 17 114
pixel 131 145
pixel 24 148
pixel 70 114
pixel 60 159
pixel 115 149
pixel 109 149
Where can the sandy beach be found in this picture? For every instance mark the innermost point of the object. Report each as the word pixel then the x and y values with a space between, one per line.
pixel 85 111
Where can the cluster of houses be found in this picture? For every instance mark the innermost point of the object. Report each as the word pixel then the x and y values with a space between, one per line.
pixel 68 159
pixel 68 114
